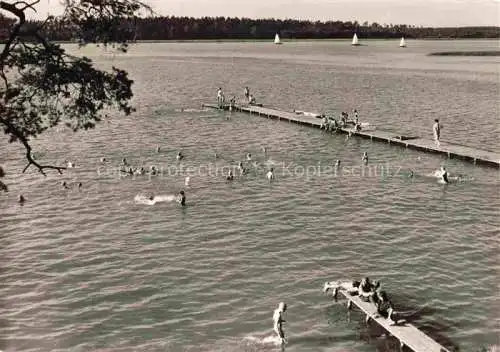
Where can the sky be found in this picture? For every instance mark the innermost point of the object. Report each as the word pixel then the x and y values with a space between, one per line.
pixel 436 13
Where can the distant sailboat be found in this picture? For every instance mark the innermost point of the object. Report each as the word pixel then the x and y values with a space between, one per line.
pixel 355 40
pixel 402 43
pixel 277 39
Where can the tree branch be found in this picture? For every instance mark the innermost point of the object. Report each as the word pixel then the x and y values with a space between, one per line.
pixel 12 130
pixel 37 72
pixel 30 6
pixel 15 32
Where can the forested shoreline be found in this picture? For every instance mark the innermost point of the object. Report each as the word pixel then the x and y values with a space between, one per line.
pixel 214 28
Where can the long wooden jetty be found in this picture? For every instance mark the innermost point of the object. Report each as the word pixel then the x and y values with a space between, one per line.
pixel 407 334
pixel 476 156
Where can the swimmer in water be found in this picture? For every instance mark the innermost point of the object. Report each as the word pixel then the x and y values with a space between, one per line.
pixel 140 171
pixel 103 160
pixel 65 185
pixel 337 164
pixel 3 187
pixel 444 175
pixel 80 185
pixel 158 149
pixel 365 157
pixel 270 174
pixel 21 199
pixel 179 156
pixel 230 176
pixel 278 322
pixel 243 171
pixel 249 156
pixel 124 162
pixel 181 198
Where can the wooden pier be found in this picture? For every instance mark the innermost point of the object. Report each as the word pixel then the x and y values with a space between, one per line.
pixel 407 334
pixel 476 156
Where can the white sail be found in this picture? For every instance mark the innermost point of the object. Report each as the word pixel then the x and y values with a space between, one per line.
pixel 355 40
pixel 277 39
pixel 402 43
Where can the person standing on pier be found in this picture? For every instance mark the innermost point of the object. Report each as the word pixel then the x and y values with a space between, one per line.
pixel 220 98
pixel 436 130
pixel 247 93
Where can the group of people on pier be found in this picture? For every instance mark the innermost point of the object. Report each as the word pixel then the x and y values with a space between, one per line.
pixel 369 291
pixel 329 123
pixel 221 99
pixel 332 124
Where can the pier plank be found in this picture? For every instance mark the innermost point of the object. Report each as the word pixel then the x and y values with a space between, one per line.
pixel 412 142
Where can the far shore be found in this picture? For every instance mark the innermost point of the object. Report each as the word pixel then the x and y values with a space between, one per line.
pixel 284 40
pixel 466 53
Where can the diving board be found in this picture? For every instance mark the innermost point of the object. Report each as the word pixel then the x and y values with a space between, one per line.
pixel 407 334
pixel 451 150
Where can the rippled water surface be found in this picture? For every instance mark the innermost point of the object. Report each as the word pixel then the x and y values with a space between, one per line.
pixel 92 269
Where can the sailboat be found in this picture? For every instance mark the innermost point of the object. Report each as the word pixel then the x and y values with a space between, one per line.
pixel 277 39
pixel 402 43
pixel 355 40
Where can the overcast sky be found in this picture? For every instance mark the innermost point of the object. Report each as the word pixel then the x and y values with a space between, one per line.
pixel 418 12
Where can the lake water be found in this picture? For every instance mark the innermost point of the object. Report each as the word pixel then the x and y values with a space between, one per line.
pixel 95 270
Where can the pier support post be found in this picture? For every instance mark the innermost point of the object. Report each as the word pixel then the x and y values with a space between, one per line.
pixel 349 304
pixel 401 345
pixel 367 319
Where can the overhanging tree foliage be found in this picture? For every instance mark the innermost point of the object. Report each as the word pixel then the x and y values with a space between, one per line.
pixel 42 86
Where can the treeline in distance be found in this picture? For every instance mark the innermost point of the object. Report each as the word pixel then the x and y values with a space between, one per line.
pixel 188 28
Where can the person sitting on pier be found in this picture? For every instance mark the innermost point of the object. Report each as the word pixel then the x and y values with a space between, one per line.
pixel 334 125
pixel 324 124
pixel 367 290
pixel 251 100
pixel 329 124
pixel 385 307
pixel 247 93
pixel 232 103
pixel 343 120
